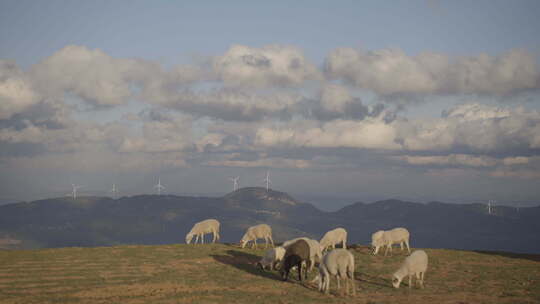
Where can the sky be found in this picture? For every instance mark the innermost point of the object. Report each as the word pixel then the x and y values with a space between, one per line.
pixel 342 100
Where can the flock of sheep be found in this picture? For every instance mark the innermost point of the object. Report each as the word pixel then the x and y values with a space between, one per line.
pixel 303 252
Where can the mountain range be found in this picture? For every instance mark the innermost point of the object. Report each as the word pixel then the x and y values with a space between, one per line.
pixel 164 219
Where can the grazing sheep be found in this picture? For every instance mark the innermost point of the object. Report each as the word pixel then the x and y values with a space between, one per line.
pixel 295 254
pixel 201 228
pixel 272 257
pixel 376 241
pixel 415 264
pixel 338 263
pixel 314 249
pixel 332 237
pixel 390 237
pixel 253 233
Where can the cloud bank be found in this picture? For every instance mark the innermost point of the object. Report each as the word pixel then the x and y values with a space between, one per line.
pixel 260 107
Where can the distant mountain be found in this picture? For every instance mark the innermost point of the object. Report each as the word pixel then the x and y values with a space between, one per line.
pixel 162 219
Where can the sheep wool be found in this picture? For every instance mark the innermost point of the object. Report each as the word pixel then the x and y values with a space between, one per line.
pixel 333 237
pixel 416 264
pixel 314 249
pixel 295 254
pixel 262 231
pixel 388 238
pixel 272 257
pixel 203 227
pixel 338 263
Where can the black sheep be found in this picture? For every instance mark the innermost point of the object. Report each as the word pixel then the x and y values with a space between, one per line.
pixel 294 256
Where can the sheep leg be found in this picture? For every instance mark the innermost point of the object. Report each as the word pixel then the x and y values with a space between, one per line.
pixel 326 284
pixel 196 239
pixel 422 279
pixel 319 281
pixel 202 238
pixel 300 271
pixel 408 248
pixel 353 287
pixel 410 281
pixel 265 242
pixel 285 273
pixel 350 277
pixel 401 245
pixel 271 241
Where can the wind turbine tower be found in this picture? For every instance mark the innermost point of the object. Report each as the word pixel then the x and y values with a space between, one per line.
pixel 159 186
pixel 267 180
pixel 489 206
pixel 114 190
pixel 74 191
pixel 235 182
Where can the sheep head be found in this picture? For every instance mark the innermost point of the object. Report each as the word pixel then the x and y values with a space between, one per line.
pixel 396 279
pixel 244 241
pixel 189 237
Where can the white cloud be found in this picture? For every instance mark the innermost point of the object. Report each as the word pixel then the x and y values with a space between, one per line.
pixel 518 160
pixel 272 65
pixel 370 133
pixel 16 91
pixel 335 98
pixel 234 105
pixel 465 128
pixel 391 71
pixel 451 160
pixel 476 127
pixel 91 75
pixel 170 135
pixel 273 162
pixel 520 173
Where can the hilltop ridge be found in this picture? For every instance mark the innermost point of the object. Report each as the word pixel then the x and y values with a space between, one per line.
pixel 165 219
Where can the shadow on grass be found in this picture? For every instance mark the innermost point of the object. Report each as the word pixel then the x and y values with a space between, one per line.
pixel 372 280
pixel 524 256
pixel 246 262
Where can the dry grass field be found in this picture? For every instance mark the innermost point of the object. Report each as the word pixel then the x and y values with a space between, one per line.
pixel 226 274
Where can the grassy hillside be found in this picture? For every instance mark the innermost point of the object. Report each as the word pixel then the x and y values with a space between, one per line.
pixel 226 274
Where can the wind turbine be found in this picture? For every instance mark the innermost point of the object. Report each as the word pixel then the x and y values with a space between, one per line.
pixel 114 190
pixel 235 181
pixel 489 206
pixel 159 186
pixel 267 180
pixel 74 191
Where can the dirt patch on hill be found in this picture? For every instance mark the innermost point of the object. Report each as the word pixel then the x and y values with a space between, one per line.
pixel 143 290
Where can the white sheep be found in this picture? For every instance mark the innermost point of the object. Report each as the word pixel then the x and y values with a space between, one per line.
pixel 338 263
pixel 388 238
pixel 314 249
pixel 332 237
pixel 416 264
pixel 272 257
pixel 203 227
pixel 376 241
pixel 253 233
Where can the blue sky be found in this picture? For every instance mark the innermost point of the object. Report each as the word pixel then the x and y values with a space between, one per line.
pixel 173 30
pixel 426 100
